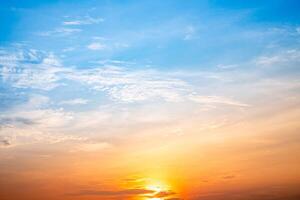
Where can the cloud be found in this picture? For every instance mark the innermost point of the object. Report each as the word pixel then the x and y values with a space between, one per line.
pixel 36 101
pixel 84 21
pixel 163 194
pixel 44 71
pixel 120 193
pixel 30 69
pixel 108 45
pixel 91 147
pixel 68 49
pixel 96 46
pixel 113 62
pixel 78 101
pixel 286 57
pixel 4 142
pixel 229 177
pixel 233 66
pixel 40 121
pixel 132 86
pixel 14 121
pixel 216 100
pixel 46 126
pixel 189 33
pixel 266 193
pixel 127 193
pixel 33 122
pixel 60 32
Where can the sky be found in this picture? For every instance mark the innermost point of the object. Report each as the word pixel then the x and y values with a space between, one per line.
pixel 149 100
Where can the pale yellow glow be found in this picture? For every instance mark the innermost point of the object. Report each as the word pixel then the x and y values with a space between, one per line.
pixel 157 186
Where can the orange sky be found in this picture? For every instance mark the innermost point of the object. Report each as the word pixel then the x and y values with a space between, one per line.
pixel 251 157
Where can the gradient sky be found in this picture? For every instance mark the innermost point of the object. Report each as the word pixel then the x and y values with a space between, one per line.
pixel 149 100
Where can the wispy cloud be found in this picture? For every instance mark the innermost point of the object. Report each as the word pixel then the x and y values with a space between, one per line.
pixel 217 100
pixel 83 21
pixel 96 46
pixel 91 146
pixel 280 58
pixel 68 49
pixel 162 194
pixel 222 66
pixel 113 62
pixel 30 69
pixel 14 121
pixel 167 194
pixel 42 120
pixel 189 33
pixel 120 193
pixel 78 101
pixel 4 142
pixel 131 86
pixel 106 45
pixel 60 32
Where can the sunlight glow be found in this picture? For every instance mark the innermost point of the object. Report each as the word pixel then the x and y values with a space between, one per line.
pixel 157 187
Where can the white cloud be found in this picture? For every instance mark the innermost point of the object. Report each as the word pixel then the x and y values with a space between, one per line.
pixel 283 57
pixel 145 91
pixel 45 71
pixel 68 49
pixel 60 32
pixel 189 33
pixel 84 21
pixel 36 101
pixel 216 100
pixel 221 66
pixel 72 22
pixel 31 69
pixel 78 101
pixel 33 122
pixel 107 46
pixel 96 46
pixel 6 142
pixel 130 86
pixel 269 60
pixel 113 62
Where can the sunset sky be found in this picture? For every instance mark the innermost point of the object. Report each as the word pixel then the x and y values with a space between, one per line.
pixel 149 100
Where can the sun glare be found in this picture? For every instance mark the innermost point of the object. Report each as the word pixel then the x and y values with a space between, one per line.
pixel 156 187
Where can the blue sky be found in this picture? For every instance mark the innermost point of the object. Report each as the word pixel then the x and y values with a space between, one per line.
pixel 197 30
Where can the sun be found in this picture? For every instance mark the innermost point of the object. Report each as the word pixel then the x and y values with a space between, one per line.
pixel 156 187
